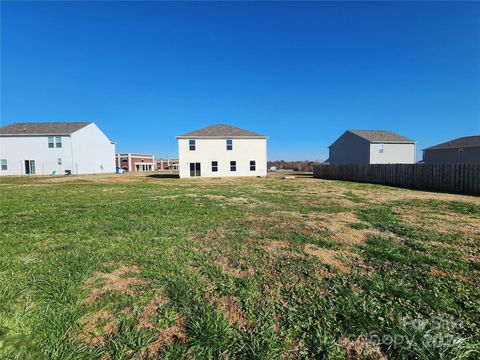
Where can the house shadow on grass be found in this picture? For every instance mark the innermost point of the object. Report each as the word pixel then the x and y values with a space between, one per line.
pixel 164 176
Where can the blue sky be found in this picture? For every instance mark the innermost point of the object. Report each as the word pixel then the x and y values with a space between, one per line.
pixel 301 73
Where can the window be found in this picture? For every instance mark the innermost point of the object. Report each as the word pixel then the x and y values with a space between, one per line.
pixel 252 165
pixel 191 144
pixel 233 166
pixel 50 142
pixel 380 149
pixel 124 160
pixel 4 164
pixel 460 150
pixel 214 166
pixel 59 161
pixel 229 144
pixel 58 142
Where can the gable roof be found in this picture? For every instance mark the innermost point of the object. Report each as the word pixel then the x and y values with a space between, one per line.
pixel 42 128
pixel 462 142
pixel 386 136
pixel 221 131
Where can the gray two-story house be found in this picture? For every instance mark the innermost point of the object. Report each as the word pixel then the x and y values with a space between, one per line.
pixel 464 150
pixel 372 147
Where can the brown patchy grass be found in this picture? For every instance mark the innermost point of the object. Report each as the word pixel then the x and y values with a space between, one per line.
pixel 248 250
pixel 441 221
pixel 230 308
pixel 361 348
pixel 119 280
pixel 329 257
pixel 97 327
pixel 280 248
pixel 174 333
pixel 148 313
pixel 223 263
pixel 339 227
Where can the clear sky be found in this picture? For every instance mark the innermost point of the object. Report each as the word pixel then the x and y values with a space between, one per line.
pixel 301 73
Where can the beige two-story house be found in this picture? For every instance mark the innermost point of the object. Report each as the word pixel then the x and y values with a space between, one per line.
pixel 222 150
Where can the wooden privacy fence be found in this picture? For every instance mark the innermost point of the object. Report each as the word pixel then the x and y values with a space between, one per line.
pixel 452 178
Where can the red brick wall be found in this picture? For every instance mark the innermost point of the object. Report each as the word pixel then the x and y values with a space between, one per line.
pixel 133 159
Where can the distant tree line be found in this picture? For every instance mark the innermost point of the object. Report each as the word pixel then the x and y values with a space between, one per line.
pixel 306 165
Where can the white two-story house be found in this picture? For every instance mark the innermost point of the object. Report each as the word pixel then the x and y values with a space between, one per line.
pixel 55 148
pixel 222 150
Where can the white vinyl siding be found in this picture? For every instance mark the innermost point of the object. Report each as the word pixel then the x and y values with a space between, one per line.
pixel 215 150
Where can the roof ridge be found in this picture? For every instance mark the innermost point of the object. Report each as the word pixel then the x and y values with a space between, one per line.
pixel 43 128
pixel 222 131
pixel 381 136
pixel 460 142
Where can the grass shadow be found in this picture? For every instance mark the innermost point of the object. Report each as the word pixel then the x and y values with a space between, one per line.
pixel 164 176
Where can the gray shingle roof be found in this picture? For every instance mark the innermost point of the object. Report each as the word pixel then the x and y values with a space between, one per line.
pixel 381 136
pixel 42 128
pixel 221 131
pixel 466 141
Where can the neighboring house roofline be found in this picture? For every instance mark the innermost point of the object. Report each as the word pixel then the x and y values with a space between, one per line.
pixel 461 142
pixel 42 128
pixel 221 131
pixel 221 137
pixel 378 137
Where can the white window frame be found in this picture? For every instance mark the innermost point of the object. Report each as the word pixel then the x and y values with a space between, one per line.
pixel 233 165
pixel 229 144
pixel 192 145
pixel 4 164
pixel 51 142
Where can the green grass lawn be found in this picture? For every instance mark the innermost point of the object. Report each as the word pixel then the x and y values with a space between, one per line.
pixel 120 267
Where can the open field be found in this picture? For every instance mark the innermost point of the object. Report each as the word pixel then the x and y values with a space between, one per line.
pixel 128 266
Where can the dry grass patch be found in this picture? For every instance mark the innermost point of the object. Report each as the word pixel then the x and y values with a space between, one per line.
pixel 120 280
pixel 223 263
pixel 328 256
pixel 97 327
pixel 167 336
pixel 339 227
pixel 361 348
pixel 442 222
pixel 229 307
pixel 392 194
pixel 281 213
pixel 148 313
pixel 280 248
pixel 455 276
